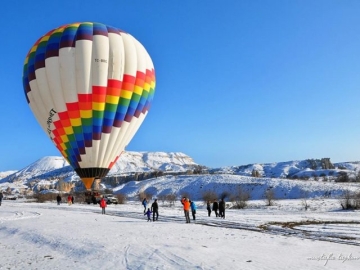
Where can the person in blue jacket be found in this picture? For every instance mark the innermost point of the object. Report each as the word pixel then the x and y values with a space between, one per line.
pixel 144 203
pixel 148 213
pixel 193 209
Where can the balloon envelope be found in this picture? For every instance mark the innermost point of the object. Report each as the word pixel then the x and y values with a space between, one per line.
pixel 90 87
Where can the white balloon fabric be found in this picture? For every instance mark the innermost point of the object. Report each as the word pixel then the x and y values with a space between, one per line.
pixel 90 86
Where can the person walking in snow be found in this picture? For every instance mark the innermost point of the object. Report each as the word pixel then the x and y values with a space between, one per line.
pixel 103 205
pixel 208 207
pixel 148 214
pixel 72 199
pixel 222 208
pixel 186 205
pixel 1 197
pixel 58 199
pixel 144 203
pixel 215 208
pixel 193 209
pixel 155 210
pixel 69 199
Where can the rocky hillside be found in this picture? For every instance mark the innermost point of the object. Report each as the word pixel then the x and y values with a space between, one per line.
pixel 54 172
pixel 303 169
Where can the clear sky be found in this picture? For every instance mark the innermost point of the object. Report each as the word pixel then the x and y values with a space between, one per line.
pixel 237 81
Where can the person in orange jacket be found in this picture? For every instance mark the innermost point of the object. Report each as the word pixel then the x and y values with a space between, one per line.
pixel 186 204
pixel 103 205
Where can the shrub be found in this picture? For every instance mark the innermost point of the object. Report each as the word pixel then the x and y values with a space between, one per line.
pixel 342 177
pixel 47 197
pixel 122 198
pixel 350 200
pixel 240 198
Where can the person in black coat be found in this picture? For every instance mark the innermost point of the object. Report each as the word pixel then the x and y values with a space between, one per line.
pixel 208 207
pixel 222 208
pixel 58 199
pixel 1 197
pixel 155 210
pixel 215 208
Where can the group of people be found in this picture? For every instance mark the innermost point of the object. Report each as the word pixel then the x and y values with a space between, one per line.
pixel 217 206
pixel 70 199
pixel 154 210
pixel 187 205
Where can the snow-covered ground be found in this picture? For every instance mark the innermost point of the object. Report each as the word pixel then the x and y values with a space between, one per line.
pixel 283 236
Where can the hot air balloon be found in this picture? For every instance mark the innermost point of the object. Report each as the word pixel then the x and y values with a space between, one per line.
pixel 90 86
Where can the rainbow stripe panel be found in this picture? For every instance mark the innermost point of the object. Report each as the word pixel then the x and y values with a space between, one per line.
pixel 90 87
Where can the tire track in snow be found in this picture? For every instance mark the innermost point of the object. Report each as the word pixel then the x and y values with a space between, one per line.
pixel 273 230
pixel 265 228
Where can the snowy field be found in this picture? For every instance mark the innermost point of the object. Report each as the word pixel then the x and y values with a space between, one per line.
pixel 283 236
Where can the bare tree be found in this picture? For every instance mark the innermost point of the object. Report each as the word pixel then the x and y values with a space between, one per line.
pixel 162 197
pixel 356 200
pixel 345 201
pixel 143 194
pixel 241 198
pixel 304 200
pixel 171 198
pixel 269 196
pixel 209 196
pixel 350 200
pixel 224 195
pixel 185 194
pixel 357 176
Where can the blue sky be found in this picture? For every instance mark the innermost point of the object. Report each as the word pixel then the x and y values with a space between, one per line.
pixel 238 82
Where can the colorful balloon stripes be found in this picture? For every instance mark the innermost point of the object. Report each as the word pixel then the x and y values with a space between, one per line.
pixel 90 86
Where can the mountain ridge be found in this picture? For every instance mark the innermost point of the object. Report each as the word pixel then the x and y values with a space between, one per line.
pixel 136 162
pixel 135 167
pixel 129 162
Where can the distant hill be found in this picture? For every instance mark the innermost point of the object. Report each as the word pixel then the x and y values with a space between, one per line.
pixel 303 169
pixel 196 186
pixel 45 174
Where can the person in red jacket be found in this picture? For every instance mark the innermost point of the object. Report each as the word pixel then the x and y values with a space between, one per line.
pixel 103 205
pixel 69 200
pixel 186 204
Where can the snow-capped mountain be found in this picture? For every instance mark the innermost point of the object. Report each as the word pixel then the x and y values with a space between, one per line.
pixel 129 162
pixel 45 174
pixel 151 161
pixel 5 174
